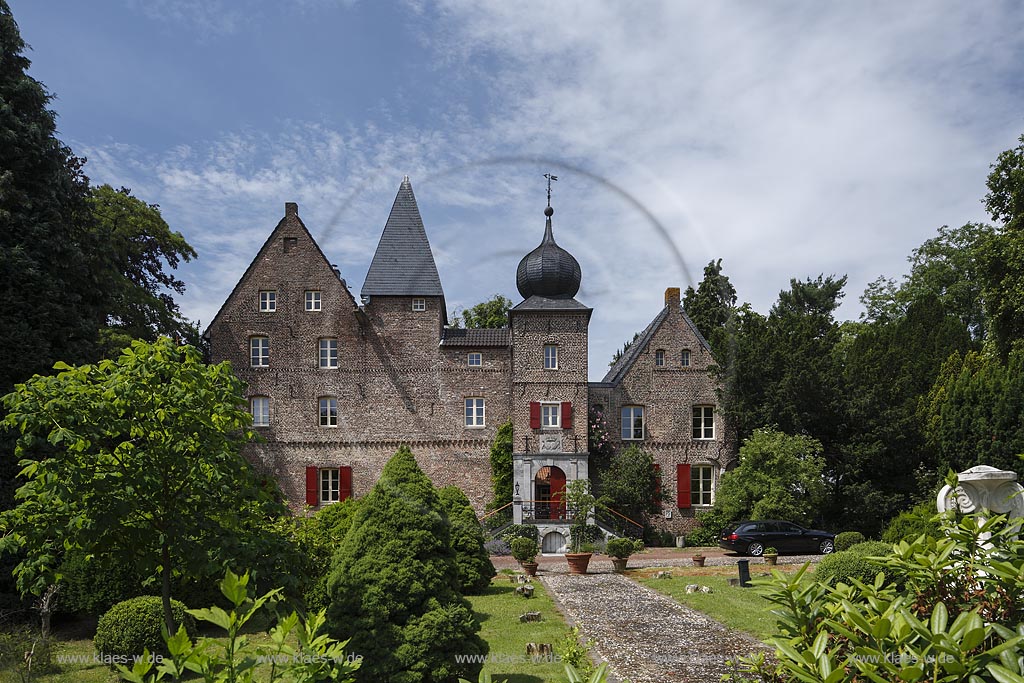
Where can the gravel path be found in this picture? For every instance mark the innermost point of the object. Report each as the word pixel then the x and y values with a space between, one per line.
pixel 645 636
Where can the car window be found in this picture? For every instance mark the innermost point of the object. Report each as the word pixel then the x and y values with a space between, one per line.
pixel 746 528
pixel 789 528
pixel 768 526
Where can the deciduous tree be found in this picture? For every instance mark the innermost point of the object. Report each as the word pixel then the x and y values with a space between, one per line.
pixel 492 313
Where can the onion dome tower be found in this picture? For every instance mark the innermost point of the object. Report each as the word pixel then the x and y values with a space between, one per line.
pixel 548 271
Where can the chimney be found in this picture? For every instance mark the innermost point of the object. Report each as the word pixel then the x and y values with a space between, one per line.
pixel 291 209
pixel 672 296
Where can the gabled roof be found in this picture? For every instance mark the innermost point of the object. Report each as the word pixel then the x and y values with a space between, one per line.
pixel 403 264
pixel 617 371
pixel 454 336
pixel 290 219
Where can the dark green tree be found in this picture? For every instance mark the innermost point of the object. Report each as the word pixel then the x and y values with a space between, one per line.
pixel 492 313
pixel 51 303
pixel 138 244
pixel 711 305
pixel 630 486
pixel 471 558
pixel 501 466
pixel 395 588
pixel 317 537
pixel 136 459
pixel 1002 255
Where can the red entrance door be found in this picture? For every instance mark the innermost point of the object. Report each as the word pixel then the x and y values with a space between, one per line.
pixel 557 493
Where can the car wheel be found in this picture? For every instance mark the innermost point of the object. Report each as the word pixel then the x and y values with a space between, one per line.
pixel 826 547
pixel 755 549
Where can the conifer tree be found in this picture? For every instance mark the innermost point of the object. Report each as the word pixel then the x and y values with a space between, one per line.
pixel 395 587
pixel 471 558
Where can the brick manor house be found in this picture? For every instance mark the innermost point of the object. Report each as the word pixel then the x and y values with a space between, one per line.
pixel 336 385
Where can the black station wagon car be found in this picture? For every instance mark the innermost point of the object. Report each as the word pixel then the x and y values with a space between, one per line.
pixel 752 537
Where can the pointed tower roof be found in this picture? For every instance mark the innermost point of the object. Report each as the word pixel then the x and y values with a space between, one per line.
pixel 403 264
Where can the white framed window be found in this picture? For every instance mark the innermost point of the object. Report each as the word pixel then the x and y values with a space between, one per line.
pixel 259 352
pixel 268 300
pixel 550 415
pixel 632 423
pixel 684 358
pixel 260 408
pixel 659 358
pixel 419 305
pixel 475 412
pixel 701 478
pixel 328 353
pixel 312 300
pixel 551 356
pixel 475 360
pixel 330 485
pixel 704 422
pixel 328 411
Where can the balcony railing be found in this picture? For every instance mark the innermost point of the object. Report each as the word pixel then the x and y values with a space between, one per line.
pixel 546 511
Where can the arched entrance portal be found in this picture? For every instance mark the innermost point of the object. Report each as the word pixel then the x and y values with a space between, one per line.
pixel 549 493
pixel 553 542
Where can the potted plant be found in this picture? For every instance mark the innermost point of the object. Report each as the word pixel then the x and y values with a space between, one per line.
pixel 581 534
pixel 770 555
pixel 619 549
pixel 698 560
pixel 525 551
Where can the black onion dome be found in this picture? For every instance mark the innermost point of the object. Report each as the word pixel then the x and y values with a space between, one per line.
pixel 548 271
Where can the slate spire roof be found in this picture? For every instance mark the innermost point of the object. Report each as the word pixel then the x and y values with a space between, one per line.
pixel 403 264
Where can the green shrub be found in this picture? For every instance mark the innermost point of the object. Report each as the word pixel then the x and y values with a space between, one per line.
pixel 524 549
pixel 848 538
pixel 131 626
pixel 520 531
pixel 910 524
pixel 394 587
pixel 849 564
pixel 94 585
pixel 317 537
pixel 623 547
pixel 471 558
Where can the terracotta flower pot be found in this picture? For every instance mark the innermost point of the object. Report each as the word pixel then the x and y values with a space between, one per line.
pixel 698 560
pixel 620 564
pixel 578 562
pixel 529 567
pixel 770 559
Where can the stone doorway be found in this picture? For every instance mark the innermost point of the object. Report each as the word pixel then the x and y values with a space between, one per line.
pixel 549 493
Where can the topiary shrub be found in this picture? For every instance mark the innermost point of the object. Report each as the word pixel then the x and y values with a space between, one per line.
pixel 622 548
pixel 843 566
pixel 394 585
pixel 847 539
pixel 910 524
pixel 524 550
pixel 131 626
pixel 515 531
pixel 471 558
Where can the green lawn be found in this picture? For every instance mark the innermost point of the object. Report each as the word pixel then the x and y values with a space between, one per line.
pixel 744 609
pixel 499 610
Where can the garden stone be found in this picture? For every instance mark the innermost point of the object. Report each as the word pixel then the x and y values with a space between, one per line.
pixel 692 588
pixel 526 591
pixel 529 616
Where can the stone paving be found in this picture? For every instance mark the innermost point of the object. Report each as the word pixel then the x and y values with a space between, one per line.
pixel 645 636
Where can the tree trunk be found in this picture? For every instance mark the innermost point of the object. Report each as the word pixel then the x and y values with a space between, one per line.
pixel 165 573
pixel 46 605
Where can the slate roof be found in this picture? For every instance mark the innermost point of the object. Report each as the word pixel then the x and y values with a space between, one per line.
pixel 617 371
pixel 540 303
pixel 454 336
pixel 403 264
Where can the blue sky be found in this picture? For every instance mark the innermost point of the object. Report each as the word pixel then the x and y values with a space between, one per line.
pixel 787 138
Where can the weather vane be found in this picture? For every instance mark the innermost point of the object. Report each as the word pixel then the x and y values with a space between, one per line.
pixel 550 178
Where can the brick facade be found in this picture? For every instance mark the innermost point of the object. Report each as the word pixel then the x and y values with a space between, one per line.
pixel 399 379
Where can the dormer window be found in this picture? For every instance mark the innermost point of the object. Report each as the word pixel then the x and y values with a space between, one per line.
pixel 684 358
pixel 550 356
pixel 475 360
pixel 419 305
pixel 659 358
pixel 268 300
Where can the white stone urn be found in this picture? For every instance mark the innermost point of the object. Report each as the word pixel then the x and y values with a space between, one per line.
pixel 984 488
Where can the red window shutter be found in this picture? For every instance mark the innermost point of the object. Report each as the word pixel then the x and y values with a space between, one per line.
pixel 346 483
pixel 657 484
pixel 683 485
pixel 566 415
pixel 534 415
pixel 312 486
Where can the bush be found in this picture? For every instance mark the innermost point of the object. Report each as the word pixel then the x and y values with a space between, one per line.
pixel 131 626
pixel 910 524
pixel 841 567
pixel 93 586
pixel 524 550
pixel 497 547
pixel 623 547
pixel 475 570
pixel 520 531
pixel 584 535
pixel 317 537
pixel 847 539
